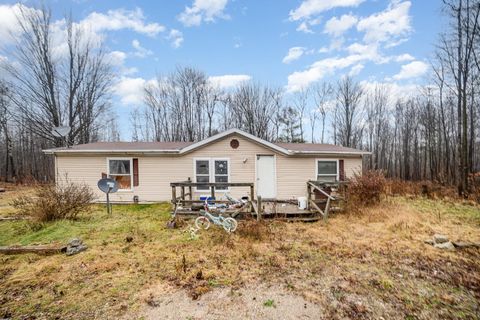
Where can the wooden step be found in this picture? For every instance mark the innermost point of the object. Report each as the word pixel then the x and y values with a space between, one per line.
pixel 301 219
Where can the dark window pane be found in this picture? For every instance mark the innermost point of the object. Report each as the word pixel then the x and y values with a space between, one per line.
pixel 119 166
pixel 221 167
pixel 124 182
pixel 219 179
pixel 202 166
pixel 201 179
pixel 327 167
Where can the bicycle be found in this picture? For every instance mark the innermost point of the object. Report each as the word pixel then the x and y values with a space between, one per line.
pixel 203 222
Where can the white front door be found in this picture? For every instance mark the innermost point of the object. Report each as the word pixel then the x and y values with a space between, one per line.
pixel 266 184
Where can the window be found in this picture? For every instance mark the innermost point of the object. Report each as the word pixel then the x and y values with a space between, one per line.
pixel 327 170
pixel 121 171
pixel 211 170
pixel 221 173
pixel 202 173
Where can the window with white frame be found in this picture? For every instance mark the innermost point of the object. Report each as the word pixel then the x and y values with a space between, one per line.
pixel 120 169
pixel 212 170
pixel 327 170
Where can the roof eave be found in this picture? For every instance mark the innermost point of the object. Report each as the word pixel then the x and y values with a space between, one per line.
pixel 66 151
pixel 359 153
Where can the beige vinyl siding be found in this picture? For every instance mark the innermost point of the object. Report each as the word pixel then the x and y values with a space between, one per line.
pixel 156 172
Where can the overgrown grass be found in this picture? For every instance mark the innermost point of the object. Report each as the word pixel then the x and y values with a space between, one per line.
pixel 376 257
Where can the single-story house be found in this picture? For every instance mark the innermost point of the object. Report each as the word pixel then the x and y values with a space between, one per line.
pixel 146 169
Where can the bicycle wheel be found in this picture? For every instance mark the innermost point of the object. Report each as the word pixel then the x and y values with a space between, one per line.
pixel 230 224
pixel 202 223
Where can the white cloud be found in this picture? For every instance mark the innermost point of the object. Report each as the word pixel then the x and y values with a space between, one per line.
pixel 336 44
pixel 395 91
pixel 368 52
pixel 237 42
pixel 293 54
pixel 302 79
pixel 303 27
pixel 228 80
pixel 121 19
pixel 358 55
pixel 394 22
pixel 413 69
pixel 117 58
pixel 130 90
pixel 337 27
pixel 94 25
pixel 309 8
pixel 9 26
pixel 140 51
pixel 356 69
pixel 176 37
pixel 404 57
pixel 203 10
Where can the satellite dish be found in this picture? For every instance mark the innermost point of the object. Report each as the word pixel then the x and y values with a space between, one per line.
pixel 61 132
pixel 108 185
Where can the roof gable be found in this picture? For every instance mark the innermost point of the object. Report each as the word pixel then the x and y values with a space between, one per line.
pixel 230 132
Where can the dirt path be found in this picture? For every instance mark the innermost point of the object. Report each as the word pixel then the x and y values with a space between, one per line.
pixel 225 303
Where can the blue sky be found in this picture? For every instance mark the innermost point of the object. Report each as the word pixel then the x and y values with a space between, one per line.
pixel 289 44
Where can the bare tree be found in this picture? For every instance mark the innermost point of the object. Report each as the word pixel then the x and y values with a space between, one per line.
pixel 322 95
pixel 349 95
pixel 53 86
pixel 457 49
pixel 300 102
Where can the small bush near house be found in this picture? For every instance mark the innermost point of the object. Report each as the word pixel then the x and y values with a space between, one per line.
pixel 366 189
pixel 398 187
pixel 52 202
pixel 475 185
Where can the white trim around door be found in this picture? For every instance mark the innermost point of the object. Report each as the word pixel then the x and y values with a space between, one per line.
pixel 267 189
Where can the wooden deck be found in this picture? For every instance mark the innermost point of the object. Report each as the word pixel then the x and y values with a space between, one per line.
pixel 323 198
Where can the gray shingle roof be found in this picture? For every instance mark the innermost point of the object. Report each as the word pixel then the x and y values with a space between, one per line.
pixel 184 147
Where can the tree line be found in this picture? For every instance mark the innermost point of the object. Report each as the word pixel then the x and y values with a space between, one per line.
pixel 430 133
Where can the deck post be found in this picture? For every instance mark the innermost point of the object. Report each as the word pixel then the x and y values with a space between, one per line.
pixel 182 190
pixel 309 195
pixel 174 194
pixel 327 208
pixel 190 194
pixel 259 206
pixel 252 195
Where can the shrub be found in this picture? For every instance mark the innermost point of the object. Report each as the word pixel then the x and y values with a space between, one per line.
pixel 474 180
pixel 366 189
pixel 51 202
pixel 398 187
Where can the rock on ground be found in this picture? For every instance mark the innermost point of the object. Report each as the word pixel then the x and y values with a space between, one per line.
pixel 445 245
pixel 440 238
pixel 75 246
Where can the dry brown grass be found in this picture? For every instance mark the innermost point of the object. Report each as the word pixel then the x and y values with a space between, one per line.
pixel 367 264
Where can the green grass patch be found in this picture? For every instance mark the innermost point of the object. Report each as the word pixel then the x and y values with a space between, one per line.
pixel 137 220
pixel 269 304
pixel 444 208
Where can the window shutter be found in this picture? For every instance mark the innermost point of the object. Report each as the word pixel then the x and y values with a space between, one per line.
pixel 104 175
pixel 135 172
pixel 341 170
